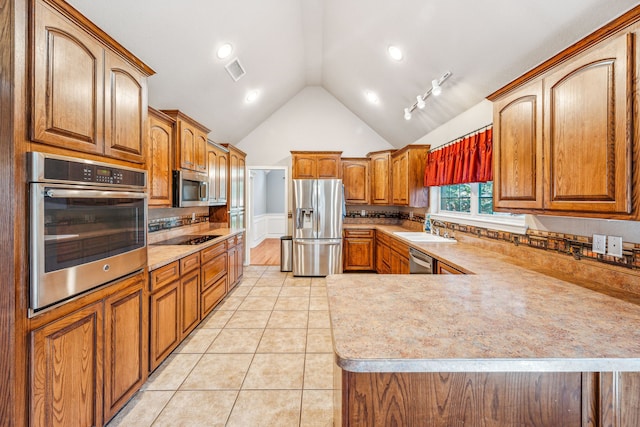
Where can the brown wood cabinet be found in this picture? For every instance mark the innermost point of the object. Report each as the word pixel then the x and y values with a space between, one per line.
pixel 443 268
pixel 217 160
pixel 380 177
pixel 213 273
pixel 126 331
pixel 235 250
pixel 383 253
pixel 517 149
pixel 315 164
pixel 233 212
pixel 399 257
pixel 160 164
pixel 164 325
pixel 86 96
pixel 576 109
pixel 356 180
pixel 359 250
pixel 68 390
pixel 407 176
pixel 189 294
pixel 190 140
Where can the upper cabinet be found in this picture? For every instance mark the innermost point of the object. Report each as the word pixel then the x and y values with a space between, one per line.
pixel 89 94
pixel 517 149
pixel 190 142
pixel 217 159
pixel 355 177
pixel 160 159
pixel 380 177
pixel 407 176
pixel 315 164
pixel 563 143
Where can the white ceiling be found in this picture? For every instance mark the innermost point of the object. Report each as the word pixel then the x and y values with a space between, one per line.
pixel 285 45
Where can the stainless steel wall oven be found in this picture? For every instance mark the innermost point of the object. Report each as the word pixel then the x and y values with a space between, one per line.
pixel 88 225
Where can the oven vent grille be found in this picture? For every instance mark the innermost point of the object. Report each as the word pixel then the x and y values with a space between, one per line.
pixel 235 70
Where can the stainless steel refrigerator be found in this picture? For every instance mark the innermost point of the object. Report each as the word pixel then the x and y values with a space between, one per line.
pixel 317 227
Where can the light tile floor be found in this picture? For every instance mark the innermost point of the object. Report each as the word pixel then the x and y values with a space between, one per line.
pixel 263 357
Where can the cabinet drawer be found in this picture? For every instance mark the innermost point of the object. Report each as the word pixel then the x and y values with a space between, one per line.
pixel 212 251
pixel 213 295
pixel 239 239
pixel 213 270
pixel 352 232
pixel 190 262
pixel 164 275
pixel 231 242
pixel 399 247
pixel 383 238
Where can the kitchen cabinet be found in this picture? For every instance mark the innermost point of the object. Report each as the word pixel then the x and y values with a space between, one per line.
pixel 407 176
pixel 190 139
pixel 213 273
pixel 67 369
pixel 315 164
pixel 235 251
pixel 355 177
pixel 359 250
pixel 383 253
pixel 217 159
pixel 443 268
pixel 86 96
pixel 164 314
pixel 88 361
pixel 189 293
pixel 160 159
pixel 126 348
pixel 233 212
pixel 399 257
pixel 572 112
pixel 380 177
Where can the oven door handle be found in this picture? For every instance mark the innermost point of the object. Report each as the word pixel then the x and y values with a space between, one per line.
pixel 92 194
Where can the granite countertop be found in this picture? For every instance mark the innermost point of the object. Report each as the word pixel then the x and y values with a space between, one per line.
pixel 500 317
pixel 161 255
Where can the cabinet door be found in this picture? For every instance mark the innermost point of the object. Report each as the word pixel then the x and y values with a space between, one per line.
pixel 200 152
pixel 66 370
pixel 186 145
pixel 125 353
pixel 358 254
pixel 212 166
pixel 67 96
pixel 303 166
pixel 328 165
pixel 189 302
pixel 160 161
pixel 165 323
pixel 125 112
pixel 221 177
pixel 517 170
pixel 234 178
pixel 587 104
pixel 239 262
pixel 400 192
pixel 380 179
pixel 355 177
pixel 240 181
pixel 212 296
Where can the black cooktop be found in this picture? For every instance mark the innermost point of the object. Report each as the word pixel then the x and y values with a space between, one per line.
pixel 187 240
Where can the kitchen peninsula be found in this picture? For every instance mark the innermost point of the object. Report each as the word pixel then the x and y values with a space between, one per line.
pixel 504 345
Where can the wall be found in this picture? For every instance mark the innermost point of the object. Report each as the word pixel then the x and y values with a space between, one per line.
pixel 275 190
pixel 482 114
pixel 259 185
pixel 312 120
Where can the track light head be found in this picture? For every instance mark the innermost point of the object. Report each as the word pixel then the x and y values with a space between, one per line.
pixel 420 102
pixel 435 88
pixel 407 114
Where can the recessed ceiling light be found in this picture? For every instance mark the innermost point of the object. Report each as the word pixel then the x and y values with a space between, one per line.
pixel 252 96
pixel 224 51
pixel 371 97
pixel 395 53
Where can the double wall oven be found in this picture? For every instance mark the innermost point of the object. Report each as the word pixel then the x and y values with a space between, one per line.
pixel 87 226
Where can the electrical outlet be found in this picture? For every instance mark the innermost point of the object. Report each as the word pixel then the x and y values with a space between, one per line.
pixel 614 246
pixel 599 244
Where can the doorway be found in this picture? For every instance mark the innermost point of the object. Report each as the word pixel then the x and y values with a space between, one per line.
pixel 267 196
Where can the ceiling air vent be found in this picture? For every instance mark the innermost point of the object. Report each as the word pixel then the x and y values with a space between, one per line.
pixel 235 70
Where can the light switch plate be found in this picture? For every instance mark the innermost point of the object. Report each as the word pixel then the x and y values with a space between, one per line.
pixel 614 246
pixel 599 244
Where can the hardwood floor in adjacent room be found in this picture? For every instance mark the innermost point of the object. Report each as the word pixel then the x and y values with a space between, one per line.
pixel 266 253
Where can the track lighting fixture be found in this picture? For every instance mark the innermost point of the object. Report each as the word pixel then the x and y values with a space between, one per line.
pixel 435 90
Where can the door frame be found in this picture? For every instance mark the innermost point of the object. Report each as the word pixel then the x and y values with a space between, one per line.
pixel 249 208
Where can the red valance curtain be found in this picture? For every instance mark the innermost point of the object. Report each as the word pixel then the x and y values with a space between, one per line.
pixel 467 160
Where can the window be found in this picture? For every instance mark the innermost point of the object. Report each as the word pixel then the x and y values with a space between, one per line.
pixel 472 204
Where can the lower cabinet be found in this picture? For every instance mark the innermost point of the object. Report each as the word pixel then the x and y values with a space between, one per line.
pixel 164 323
pixel 359 250
pixel 399 257
pixel 235 251
pixel 442 268
pixel 189 302
pixel 86 364
pixel 383 253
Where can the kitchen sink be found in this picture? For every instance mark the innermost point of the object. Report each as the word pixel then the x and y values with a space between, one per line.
pixel 420 237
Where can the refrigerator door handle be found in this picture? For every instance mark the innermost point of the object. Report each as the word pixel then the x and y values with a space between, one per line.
pixel 318 241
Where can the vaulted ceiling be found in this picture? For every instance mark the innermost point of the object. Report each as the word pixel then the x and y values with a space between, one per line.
pixel 341 45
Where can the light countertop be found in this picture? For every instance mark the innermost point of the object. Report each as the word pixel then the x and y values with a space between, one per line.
pixel 500 317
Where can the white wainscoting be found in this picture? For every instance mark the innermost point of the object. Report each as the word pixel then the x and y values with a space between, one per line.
pixel 267 226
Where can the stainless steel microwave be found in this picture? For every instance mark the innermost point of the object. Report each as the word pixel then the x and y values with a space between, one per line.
pixel 190 189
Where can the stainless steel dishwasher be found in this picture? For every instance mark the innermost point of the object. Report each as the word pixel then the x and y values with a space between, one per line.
pixel 419 262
